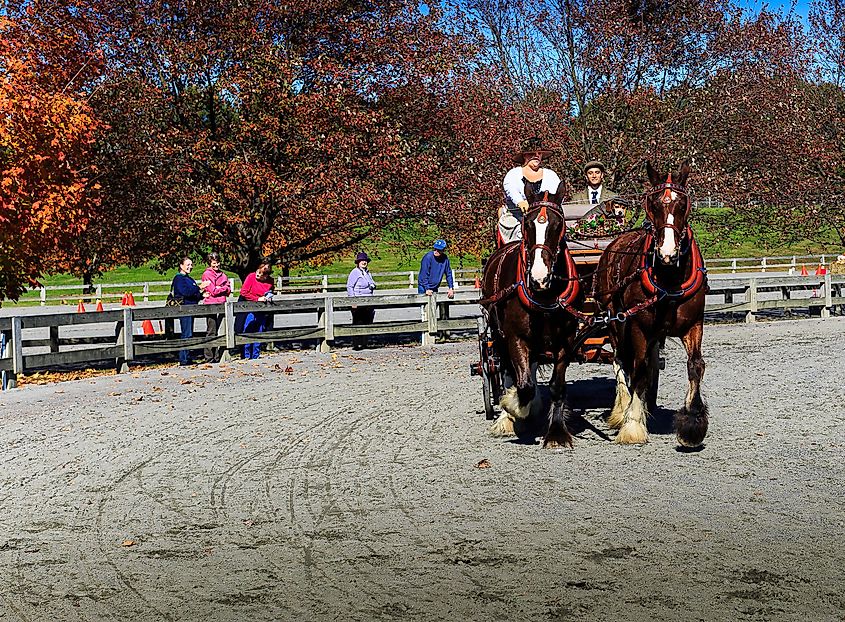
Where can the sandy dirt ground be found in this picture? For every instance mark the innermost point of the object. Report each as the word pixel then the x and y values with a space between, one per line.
pixel 312 487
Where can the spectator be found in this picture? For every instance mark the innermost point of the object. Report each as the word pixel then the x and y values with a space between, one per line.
pixel 216 292
pixel 434 265
pixel 360 283
pixel 257 287
pixel 186 290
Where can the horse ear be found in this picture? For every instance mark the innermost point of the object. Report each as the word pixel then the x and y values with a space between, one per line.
pixel 528 190
pixel 683 173
pixel 653 176
pixel 561 191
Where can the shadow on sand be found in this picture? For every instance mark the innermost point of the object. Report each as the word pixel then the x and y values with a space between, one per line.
pixel 583 396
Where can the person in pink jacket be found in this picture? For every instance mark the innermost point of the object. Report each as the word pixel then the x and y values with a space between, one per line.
pixel 215 293
pixel 257 287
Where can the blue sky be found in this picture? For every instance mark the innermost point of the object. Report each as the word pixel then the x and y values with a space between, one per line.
pixel 800 6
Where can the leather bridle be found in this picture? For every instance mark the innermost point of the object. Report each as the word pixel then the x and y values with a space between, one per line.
pixel 542 208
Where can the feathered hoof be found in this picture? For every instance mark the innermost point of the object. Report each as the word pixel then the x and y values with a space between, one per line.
pixel 558 442
pixel 690 429
pixel 503 426
pixel 509 402
pixel 632 433
pixel 616 418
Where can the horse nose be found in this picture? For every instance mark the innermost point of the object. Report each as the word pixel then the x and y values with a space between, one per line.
pixel 540 284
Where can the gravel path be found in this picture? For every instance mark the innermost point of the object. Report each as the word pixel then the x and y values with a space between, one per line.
pixel 346 489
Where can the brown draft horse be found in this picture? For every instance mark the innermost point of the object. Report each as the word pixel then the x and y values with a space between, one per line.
pixel 527 289
pixel 653 282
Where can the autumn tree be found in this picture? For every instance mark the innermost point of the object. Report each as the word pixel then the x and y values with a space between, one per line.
pixel 259 129
pixel 48 182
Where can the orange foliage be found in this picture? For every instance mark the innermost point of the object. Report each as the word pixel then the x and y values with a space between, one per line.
pixel 46 180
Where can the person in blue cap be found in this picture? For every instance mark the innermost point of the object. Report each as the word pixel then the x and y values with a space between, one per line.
pixel 433 266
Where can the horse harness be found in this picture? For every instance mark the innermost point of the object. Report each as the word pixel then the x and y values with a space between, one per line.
pixel 645 271
pixel 573 287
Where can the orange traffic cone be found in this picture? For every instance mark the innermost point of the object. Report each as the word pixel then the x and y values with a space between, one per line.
pixel 820 271
pixel 80 308
pixel 99 305
pixel 147 325
pixel 130 299
pixel 477 283
pixel 804 270
pixel 123 300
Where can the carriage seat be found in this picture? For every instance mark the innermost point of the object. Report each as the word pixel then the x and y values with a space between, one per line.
pixel 587 250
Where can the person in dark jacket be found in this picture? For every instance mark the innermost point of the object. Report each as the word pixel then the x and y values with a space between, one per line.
pixel 433 266
pixel 186 289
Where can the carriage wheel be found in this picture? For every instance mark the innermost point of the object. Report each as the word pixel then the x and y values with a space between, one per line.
pixel 489 400
pixel 484 366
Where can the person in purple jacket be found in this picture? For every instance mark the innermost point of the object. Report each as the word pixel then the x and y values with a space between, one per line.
pixel 216 291
pixel 360 283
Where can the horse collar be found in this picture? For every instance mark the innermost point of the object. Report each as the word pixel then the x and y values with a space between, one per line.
pixel 689 287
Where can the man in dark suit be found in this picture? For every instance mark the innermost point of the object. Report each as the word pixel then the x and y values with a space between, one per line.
pixel 596 192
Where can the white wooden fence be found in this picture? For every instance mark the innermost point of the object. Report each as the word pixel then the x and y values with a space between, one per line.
pixel 157 290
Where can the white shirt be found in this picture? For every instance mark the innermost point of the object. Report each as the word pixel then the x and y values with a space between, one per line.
pixel 514 187
pixel 590 192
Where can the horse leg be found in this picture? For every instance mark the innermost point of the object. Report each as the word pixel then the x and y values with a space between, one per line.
pixel 633 429
pixel 557 435
pixel 691 421
pixel 623 396
pixel 516 401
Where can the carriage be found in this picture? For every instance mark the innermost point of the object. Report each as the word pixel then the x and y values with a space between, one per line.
pixel 589 231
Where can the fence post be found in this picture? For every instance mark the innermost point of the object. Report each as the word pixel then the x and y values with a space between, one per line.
pixel 325 283
pixel 54 339
pixel 146 292
pixel 120 340
pixel 763 264
pixel 229 330
pixel 231 285
pixel 751 299
pixel 411 279
pixel 128 340
pixel 431 316
pixel 17 353
pixel 733 266
pixel 99 291
pixel 828 296
pixel 43 295
pixel 326 322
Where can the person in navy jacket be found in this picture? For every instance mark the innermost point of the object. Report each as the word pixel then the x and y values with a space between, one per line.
pixel 186 289
pixel 434 265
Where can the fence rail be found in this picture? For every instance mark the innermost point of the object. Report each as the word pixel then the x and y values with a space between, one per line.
pixel 308 317
pixel 157 290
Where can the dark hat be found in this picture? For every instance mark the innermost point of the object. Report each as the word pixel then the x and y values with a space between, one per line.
pixel 362 256
pixel 532 145
pixel 594 164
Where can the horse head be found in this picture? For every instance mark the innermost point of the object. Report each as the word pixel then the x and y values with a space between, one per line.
pixel 667 206
pixel 543 230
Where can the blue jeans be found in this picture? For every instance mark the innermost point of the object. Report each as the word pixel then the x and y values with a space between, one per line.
pixel 253 323
pixel 187 326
